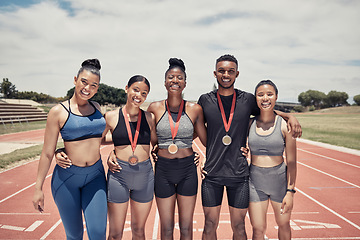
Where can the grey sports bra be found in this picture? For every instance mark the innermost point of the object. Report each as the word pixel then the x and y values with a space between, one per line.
pixel 272 144
pixel 184 136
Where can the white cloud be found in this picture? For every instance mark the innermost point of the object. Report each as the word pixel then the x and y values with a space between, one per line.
pixel 300 45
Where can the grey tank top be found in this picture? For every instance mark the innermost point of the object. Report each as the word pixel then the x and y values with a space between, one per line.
pixel 272 144
pixel 184 136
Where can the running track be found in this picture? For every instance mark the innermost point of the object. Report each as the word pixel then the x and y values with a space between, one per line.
pixel 327 203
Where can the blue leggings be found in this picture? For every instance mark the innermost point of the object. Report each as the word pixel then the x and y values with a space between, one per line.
pixel 78 189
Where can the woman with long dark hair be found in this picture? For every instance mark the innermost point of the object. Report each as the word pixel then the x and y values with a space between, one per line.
pixel 80 188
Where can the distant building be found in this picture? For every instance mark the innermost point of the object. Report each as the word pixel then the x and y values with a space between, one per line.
pixel 286 106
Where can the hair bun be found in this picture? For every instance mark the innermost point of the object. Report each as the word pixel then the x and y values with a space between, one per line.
pixel 92 63
pixel 176 62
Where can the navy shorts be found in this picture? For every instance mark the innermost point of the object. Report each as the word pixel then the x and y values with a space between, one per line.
pixel 178 175
pixel 237 189
pixel 135 182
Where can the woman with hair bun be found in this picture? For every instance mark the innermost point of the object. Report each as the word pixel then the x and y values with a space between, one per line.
pixel 176 181
pixel 132 178
pixel 132 131
pixel 177 122
pixel 80 188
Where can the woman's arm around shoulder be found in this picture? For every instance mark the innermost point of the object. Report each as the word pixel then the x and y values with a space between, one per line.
pixel 292 122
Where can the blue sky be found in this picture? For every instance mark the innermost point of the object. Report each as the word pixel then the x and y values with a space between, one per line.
pixel 300 44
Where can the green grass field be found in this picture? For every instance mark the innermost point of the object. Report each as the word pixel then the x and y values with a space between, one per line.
pixel 20 127
pixel 337 126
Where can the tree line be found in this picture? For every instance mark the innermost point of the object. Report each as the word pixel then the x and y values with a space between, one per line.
pixel 105 95
pixel 117 96
pixel 318 100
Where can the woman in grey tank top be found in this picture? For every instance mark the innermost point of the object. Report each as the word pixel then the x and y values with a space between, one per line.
pixel 271 180
pixel 175 170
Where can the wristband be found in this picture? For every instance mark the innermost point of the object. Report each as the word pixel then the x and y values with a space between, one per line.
pixel 291 190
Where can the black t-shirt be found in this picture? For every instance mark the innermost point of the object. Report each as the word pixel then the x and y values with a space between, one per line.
pixel 221 160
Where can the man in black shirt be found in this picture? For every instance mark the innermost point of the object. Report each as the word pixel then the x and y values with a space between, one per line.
pixel 227 113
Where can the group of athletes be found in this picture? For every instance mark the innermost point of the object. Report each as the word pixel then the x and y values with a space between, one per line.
pixel 253 176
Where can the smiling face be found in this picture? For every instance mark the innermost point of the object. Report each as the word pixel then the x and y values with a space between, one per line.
pixel 226 72
pixel 266 97
pixel 86 84
pixel 175 80
pixel 137 93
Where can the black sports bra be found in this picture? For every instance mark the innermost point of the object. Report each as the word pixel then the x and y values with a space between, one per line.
pixel 120 136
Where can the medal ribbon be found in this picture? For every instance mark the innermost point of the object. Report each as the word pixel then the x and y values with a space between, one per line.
pixel 132 141
pixel 226 124
pixel 175 129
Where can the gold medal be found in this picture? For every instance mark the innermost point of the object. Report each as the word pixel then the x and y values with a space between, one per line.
pixel 173 148
pixel 226 140
pixel 174 129
pixel 133 160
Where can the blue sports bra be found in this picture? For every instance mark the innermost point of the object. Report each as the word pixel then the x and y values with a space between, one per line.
pixel 79 127
pixel 272 144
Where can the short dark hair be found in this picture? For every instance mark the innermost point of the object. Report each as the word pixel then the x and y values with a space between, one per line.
pixel 138 78
pixel 176 63
pixel 227 57
pixel 266 82
pixel 92 65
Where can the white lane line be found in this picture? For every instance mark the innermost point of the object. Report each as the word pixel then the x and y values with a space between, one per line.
pixel 333 159
pixel 322 205
pixel 329 146
pixel 8 227
pixel 29 214
pixel 12 168
pixel 12 195
pixel 156 225
pixel 329 209
pixel 352 184
pixel 33 226
pixel 28 186
pixel 51 230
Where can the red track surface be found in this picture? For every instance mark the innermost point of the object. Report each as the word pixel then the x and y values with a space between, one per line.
pixel 327 203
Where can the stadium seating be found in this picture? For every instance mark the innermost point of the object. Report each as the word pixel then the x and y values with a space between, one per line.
pixel 14 113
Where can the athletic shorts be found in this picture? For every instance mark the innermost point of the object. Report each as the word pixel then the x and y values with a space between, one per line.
pixel 178 175
pixel 237 189
pixel 268 183
pixel 135 182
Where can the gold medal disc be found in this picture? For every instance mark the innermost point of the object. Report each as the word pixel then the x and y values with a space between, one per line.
pixel 173 148
pixel 133 160
pixel 226 140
